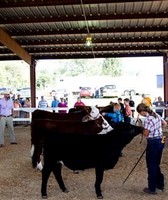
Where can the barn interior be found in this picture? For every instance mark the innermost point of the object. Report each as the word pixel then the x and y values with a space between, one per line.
pixel 73 29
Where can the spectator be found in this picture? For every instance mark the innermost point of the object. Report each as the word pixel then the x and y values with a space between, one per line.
pixel 121 104
pixel 54 103
pixel 153 131
pixel 27 104
pixel 16 104
pixel 132 105
pixel 79 103
pixel 146 100
pixel 21 101
pixel 127 111
pixel 62 104
pixel 97 92
pixel 159 103
pixel 42 103
pixel 21 113
pixel 16 113
pixel 6 111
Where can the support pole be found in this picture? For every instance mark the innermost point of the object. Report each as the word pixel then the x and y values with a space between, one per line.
pixel 165 72
pixel 33 82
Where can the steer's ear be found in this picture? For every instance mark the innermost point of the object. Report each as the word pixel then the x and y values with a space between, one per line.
pixel 87 109
pixel 86 118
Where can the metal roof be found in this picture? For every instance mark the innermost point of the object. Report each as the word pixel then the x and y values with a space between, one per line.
pixel 57 29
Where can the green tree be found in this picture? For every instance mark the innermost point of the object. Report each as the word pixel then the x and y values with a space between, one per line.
pixel 14 75
pixel 111 67
pixel 43 78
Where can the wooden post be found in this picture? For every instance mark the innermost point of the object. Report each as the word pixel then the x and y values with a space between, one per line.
pixel 165 71
pixel 33 82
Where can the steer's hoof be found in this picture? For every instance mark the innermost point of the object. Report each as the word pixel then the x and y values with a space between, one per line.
pixel 99 196
pixel 75 171
pixel 44 196
pixel 65 190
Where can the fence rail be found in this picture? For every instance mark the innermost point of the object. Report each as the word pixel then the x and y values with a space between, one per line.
pixel 30 110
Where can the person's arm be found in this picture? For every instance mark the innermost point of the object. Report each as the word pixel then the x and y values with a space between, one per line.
pixel 154 103
pixel 146 132
pixel 164 124
pixel 111 115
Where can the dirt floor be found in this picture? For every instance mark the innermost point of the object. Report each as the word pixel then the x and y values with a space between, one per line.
pixel 19 181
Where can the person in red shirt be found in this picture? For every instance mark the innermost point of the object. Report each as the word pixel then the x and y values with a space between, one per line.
pixel 127 111
pixel 79 103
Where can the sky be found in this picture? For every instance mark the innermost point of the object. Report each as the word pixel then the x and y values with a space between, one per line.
pixel 145 65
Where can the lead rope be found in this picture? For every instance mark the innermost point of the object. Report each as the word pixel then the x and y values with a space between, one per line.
pixel 134 166
pixel 139 121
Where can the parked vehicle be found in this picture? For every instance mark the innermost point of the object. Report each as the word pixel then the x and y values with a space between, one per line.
pixel 129 92
pixel 60 93
pixel 24 92
pixel 109 91
pixel 86 92
pixel 4 89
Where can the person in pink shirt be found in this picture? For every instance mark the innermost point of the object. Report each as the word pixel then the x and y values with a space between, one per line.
pixel 79 103
pixel 62 104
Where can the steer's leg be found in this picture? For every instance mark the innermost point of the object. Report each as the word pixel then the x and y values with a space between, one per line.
pixel 45 176
pixel 57 172
pixel 99 178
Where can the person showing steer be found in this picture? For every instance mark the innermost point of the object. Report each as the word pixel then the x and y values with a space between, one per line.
pixel 153 131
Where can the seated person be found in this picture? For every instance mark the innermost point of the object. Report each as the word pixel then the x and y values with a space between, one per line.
pixel 79 103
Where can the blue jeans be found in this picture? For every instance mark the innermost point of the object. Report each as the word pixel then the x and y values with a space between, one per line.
pixel 153 159
pixel 127 119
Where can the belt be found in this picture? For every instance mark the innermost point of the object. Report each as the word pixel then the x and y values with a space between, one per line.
pixel 6 116
pixel 154 138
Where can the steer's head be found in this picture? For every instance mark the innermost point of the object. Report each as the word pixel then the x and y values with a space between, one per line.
pixel 127 131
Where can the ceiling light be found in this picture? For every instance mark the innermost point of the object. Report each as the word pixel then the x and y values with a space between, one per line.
pixel 89 40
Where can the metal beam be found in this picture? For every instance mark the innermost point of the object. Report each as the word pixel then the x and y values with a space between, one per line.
pixel 30 43
pixel 99 55
pixel 11 44
pixel 81 18
pixel 88 55
pixel 28 3
pixel 100 48
pixel 33 43
pixel 92 30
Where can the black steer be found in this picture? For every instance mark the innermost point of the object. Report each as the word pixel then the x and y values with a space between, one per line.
pixel 81 151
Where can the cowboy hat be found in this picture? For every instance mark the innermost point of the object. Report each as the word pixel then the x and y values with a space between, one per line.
pixel 6 92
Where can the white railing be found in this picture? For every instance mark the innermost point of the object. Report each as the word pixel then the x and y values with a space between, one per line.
pixel 30 110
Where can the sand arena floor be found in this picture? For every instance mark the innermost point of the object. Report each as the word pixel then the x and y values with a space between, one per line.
pixel 19 181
